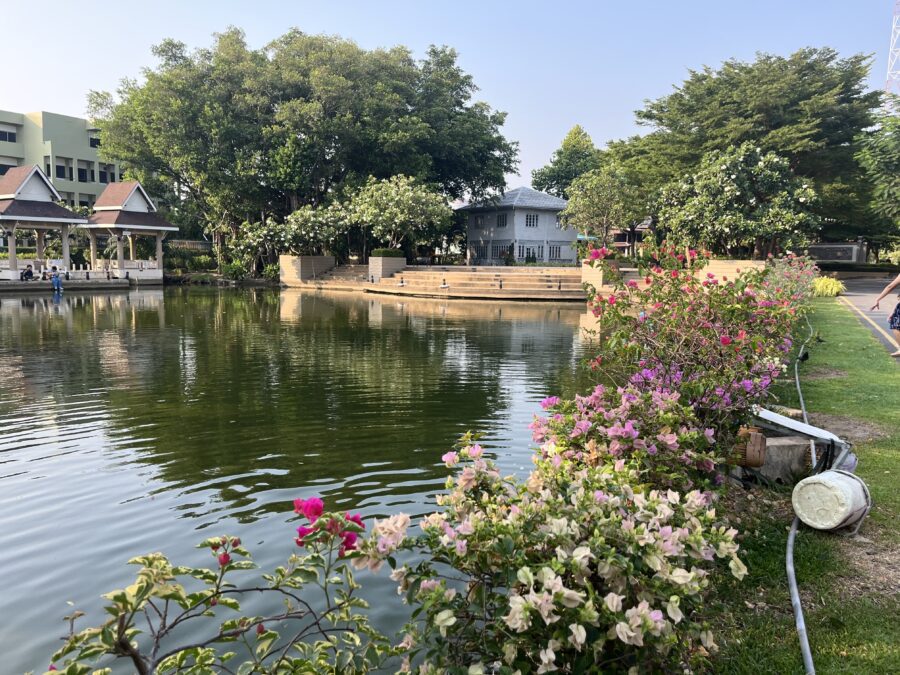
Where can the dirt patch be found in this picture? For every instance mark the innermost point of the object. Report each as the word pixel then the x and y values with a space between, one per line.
pixel 854 430
pixel 824 373
pixel 873 566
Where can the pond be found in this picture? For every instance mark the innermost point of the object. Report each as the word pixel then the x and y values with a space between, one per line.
pixel 147 421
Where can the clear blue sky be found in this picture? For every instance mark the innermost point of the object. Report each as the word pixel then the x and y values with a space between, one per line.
pixel 548 64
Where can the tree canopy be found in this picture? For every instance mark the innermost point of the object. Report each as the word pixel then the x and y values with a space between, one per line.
pixel 742 198
pixel 230 134
pixel 810 107
pixel 397 211
pixel 576 156
pixel 879 155
pixel 601 200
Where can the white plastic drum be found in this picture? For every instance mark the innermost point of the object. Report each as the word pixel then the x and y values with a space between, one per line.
pixel 831 500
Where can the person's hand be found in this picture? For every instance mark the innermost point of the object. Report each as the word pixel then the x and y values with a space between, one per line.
pixel 875 306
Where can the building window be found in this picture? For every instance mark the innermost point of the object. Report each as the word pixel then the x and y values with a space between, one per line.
pixel 501 220
pixel 60 172
pixel 478 222
pixel 531 220
pixel 112 176
pixel 82 176
pixel 83 202
pixel 9 136
pixel 499 251
pixel 559 223
pixel 4 168
pixel 555 252
pixel 480 251
pixel 95 142
pixel 103 178
pixel 71 175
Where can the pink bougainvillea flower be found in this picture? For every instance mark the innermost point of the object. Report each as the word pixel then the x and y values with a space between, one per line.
pixel 355 518
pixel 302 533
pixel 349 540
pixel 725 340
pixel 595 254
pixel 611 299
pixel 312 508
pixel 550 402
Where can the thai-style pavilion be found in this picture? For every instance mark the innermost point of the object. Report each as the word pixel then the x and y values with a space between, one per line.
pixel 124 210
pixel 28 202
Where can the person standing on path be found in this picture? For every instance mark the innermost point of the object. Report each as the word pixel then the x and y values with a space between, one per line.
pixel 894 321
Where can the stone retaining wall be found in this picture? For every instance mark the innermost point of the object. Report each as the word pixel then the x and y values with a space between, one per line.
pixel 296 269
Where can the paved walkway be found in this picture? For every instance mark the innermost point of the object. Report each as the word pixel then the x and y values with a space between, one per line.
pixel 860 296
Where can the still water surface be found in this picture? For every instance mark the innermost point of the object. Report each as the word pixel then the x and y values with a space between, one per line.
pixel 148 421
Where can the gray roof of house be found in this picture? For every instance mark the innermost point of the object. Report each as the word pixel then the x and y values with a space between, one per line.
pixel 519 198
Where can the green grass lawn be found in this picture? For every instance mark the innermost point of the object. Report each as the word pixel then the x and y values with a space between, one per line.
pixel 850 608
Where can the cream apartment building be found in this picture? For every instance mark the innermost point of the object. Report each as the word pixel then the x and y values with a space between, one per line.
pixel 64 147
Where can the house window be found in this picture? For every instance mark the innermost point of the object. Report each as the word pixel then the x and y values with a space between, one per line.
pixel 9 136
pixel 531 220
pixel 103 178
pixel 501 220
pixel 112 176
pixel 559 223
pixel 480 251
pixel 555 252
pixel 83 202
pixel 82 176
pixel 95 142
pixel 4 168
pixel 499 251
pixel 60 171
pixel 478 222
pixel 71 174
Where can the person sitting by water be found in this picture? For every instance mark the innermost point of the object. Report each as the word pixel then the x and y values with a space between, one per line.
pixel 27 274
pixel 894 321
pixel 55 280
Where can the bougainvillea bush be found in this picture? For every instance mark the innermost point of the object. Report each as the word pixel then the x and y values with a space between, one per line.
pixel 574 569
pixel 714 344
pixel 321 627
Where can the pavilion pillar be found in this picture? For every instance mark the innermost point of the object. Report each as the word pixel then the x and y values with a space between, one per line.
pixel 39 236
pixel 159 250
pixel 120 255
pixel 64 233
pixel 131 247
pixel 11 247
pixel 92 237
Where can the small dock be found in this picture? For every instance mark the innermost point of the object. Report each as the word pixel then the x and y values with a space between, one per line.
pixel 76 285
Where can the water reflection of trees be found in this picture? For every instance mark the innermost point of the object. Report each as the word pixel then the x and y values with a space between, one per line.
pixel 243 391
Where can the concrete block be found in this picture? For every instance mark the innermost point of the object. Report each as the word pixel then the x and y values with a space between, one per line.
pixel 384 267
pixel 787 459
pixel 295 269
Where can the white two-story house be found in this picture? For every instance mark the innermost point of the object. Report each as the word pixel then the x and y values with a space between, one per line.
pixel 522 224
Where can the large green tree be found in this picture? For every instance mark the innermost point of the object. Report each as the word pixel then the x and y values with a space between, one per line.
pixel 602 200
pixel 399 211
pixel 231 134
pixel 576 156
pixel 740 201
pixel 809 107
pixel 879 155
